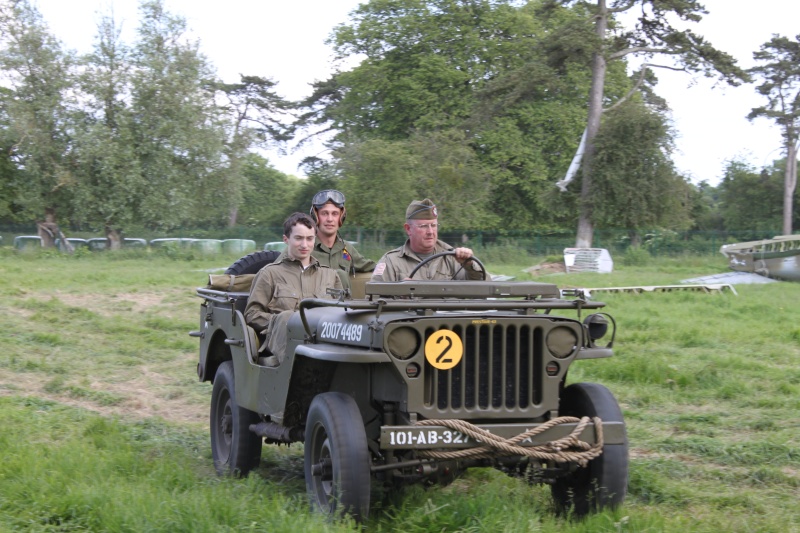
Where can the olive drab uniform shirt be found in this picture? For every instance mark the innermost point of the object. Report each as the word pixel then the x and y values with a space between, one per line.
pixel 397 264
pixel 276 293
pixel 343 258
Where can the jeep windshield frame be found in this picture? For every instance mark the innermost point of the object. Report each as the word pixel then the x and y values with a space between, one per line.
pixel 426 297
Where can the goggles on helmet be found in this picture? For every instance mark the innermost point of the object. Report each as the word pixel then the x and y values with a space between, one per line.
pixel 328 195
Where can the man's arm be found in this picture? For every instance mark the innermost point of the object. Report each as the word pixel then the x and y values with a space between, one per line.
pixel 257 314
pixel 360 263
pixel 463 259
pixel 383 270
pixel 337 284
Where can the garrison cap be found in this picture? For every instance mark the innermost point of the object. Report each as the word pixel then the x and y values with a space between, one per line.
pixel 422 210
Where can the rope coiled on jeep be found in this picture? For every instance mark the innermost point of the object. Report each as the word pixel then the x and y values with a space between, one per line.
pixel 564 450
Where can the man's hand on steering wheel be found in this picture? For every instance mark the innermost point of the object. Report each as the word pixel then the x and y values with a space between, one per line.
pixel 453 252
pixel 462 254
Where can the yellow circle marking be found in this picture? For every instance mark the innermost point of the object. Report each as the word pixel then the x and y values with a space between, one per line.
pixel 444 349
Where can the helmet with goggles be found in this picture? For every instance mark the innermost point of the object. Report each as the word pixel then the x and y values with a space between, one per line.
pixel 328 196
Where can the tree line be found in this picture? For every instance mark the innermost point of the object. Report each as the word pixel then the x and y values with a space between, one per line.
pixel 482 105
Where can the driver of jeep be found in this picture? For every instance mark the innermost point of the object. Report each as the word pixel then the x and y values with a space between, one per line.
pixel 422 228
pixel 278 287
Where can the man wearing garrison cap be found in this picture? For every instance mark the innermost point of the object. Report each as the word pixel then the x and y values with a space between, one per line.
pixel 422 228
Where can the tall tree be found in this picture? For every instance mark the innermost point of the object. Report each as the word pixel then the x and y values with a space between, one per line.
pixel 422 61
pixel 779 70
pixel 454 70
pixel 750 199
pixel 637 186
pixel 9 174
pixel 654 34
pixel 38 72
pixel 110 182
pixel 527 122
pixel 178 133
pixel 255 118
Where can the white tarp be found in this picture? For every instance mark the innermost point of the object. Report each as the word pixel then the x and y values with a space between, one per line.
pixel 588 260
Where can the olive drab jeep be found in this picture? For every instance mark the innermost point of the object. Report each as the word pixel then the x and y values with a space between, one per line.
pixel 415 381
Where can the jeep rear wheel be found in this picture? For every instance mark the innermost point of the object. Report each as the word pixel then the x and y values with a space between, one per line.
pixel 252 263
pixel 337 464
pixel 603 483
pixel 236 449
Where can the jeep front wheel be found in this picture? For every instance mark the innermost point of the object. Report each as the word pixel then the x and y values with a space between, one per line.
pixel 236 449
pixel 337 464
pixel 603 483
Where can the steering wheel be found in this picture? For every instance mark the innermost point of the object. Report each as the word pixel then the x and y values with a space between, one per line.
pixel 449 252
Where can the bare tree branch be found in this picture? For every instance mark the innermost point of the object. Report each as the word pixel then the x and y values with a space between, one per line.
pixel 639 82
pixel 636 49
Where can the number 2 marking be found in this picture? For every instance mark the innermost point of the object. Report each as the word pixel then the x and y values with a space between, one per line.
pixel 447 349
pixel 444 349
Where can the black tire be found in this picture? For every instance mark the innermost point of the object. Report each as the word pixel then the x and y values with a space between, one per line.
pixel 337 463
pixel 252 263
pixel 603 483
pixel 236 450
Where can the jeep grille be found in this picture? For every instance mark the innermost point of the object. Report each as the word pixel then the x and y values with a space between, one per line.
pixel 502 371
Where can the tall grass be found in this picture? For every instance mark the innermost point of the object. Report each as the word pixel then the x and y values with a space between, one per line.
pixel 104 424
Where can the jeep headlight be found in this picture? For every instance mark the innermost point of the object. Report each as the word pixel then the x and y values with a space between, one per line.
pixel 403 342
pixel 597 325
pixel 562 341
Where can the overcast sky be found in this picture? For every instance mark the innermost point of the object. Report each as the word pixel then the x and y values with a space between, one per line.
pixel 284 40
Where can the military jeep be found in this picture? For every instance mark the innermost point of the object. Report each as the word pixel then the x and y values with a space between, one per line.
pixel 415 382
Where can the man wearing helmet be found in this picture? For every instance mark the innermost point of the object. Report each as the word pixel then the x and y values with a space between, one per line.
pixel 328 211
pixel 422 228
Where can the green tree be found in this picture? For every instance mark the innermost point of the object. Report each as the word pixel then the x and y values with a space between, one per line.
pixel 654 34
pixel 446 169
pixel 705 208
pixel 750 199
pixel 779 70
pixel 178 134
pixel 9 174
pixel 472 92
pixel 268 193
pixel 423 60
pixel 254 118
pixel 110 184
pixel 381 177
pixel 378 181
pixel 38 73
pixel 527 125
pixel 637 186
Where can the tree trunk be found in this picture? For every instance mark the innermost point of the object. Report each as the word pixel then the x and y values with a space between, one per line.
pixel 789 184
pixel 635 237
pixel 233 216
pixel 114 238
pixel 48 230
pixel 585 224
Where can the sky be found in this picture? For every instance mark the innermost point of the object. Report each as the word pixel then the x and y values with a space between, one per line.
pixel 285 40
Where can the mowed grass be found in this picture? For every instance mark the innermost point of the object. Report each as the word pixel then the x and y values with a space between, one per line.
pixel 104 424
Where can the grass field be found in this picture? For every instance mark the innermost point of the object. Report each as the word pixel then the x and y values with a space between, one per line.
pixel 103 424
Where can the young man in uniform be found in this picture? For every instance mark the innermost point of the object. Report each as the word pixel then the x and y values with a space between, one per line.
pixel 327 209
pixel 422 228
pixel 278 287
